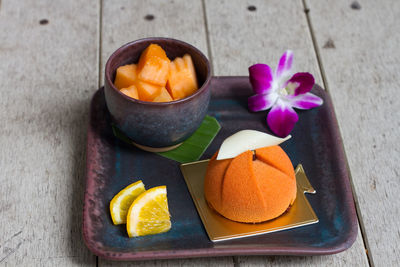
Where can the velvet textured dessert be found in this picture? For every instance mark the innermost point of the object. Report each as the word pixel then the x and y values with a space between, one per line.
pixel 252 187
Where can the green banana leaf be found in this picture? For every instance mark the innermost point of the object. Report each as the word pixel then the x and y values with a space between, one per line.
pixel 193 147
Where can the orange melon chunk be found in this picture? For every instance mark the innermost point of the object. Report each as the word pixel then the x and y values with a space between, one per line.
pixel 164 96
pixel 153 65
pixel 131 91
pixel 147 91
pixel 182 81
pixel 125 76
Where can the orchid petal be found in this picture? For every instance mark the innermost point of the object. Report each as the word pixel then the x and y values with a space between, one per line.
pixel 282 118
pixel 305 101
pixel 261 78
pixel 285 65
pixel 302 81
pixel 262 101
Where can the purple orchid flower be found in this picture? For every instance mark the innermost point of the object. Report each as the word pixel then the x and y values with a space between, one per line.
pixel 282 92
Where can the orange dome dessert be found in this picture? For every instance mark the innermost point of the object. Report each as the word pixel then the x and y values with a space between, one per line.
pixel 251 187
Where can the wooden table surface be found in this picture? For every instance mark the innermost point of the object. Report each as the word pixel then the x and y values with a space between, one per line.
pixel 52 57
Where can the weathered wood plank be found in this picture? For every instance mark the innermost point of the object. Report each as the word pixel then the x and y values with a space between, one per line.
pixel 351 257
pixel 49 70
pixel 198 262
pixel 241 36
pixel 125 21
pixel 358 44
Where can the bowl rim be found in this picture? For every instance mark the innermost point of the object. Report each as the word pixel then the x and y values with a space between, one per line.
pixel 123 47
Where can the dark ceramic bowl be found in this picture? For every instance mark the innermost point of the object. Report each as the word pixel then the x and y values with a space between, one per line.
pixel 158 125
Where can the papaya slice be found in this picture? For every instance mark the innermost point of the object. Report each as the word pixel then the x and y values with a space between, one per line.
pixel 125 76
pixel 164 96
pixel 131 91
pixel 153 66
pixel 147 91
pixel 182 80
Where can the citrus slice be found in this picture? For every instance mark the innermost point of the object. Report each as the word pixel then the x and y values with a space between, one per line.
pixel 120 204
pixel 149 213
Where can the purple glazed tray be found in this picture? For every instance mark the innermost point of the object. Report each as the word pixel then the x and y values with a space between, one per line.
pixel 315 143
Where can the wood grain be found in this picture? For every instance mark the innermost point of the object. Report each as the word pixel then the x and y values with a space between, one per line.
pixel 239 38
pixel 49 70
pixel 125 21
pixel 358 46
pixel 198 262
pixel 351 257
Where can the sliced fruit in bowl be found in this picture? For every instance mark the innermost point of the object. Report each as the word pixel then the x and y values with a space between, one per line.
pixel 182 81
pixel 131 91
pixel 153 65
pixel 125 76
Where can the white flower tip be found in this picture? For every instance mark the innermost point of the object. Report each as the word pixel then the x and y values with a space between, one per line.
pixel 288 53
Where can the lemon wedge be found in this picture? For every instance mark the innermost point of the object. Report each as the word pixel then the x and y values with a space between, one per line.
pixel 120 204
pixel 149 213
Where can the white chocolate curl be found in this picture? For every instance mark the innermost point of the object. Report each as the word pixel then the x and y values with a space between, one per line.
pixel 245 140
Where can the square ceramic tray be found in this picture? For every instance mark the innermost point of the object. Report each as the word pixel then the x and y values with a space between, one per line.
pixel 315 143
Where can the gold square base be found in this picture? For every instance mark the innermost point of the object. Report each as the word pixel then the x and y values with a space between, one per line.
pixel 219 228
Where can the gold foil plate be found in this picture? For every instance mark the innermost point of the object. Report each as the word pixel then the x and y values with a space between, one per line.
pixel 219 228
